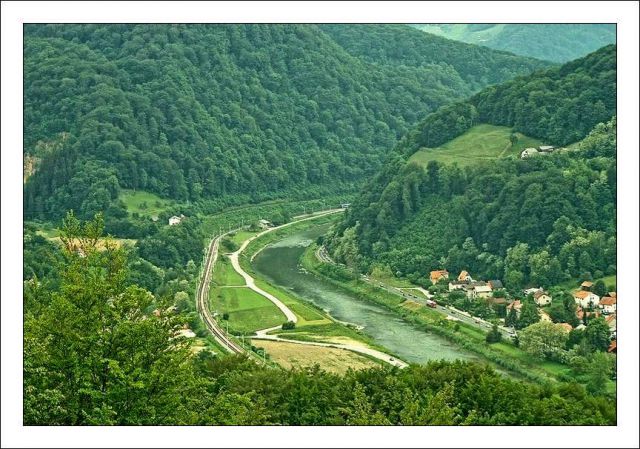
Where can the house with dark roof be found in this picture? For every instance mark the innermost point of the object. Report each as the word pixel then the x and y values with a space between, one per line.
pixel 542 298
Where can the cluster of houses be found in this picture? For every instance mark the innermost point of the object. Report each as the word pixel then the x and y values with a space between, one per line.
pixel 464 282
pixel 587 301
pixel 542 149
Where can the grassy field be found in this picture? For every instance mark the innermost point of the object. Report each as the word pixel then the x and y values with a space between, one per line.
pixel 292 355
pixel 573 284
pixel 480 143
pixel 144 203
pixel 241 236
pixel 248 311
pixel 224 274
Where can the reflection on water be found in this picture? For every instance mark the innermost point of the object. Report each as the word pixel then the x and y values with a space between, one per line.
pixel 279 263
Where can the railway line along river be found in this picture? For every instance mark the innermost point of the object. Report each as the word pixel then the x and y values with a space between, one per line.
pixel 279 262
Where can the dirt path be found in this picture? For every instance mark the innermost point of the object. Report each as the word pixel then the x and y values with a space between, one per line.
pixel 264 335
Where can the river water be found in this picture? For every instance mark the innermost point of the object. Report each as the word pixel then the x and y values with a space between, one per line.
pixel 279 263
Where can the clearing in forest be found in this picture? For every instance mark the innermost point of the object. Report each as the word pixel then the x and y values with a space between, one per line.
pixel 480 143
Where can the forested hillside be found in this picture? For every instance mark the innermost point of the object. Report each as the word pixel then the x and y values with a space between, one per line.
pixel 559 105
pixel 542 220
pixel 208 111
pixel 558 42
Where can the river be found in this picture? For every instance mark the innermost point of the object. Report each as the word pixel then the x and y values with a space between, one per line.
pixel 279 263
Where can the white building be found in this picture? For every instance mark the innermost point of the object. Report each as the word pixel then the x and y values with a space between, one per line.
pixel 175 220
pixel 586 299
pixel 528 152
pixel 481 291
pixel 608 305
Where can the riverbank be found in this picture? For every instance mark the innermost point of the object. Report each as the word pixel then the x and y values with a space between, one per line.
pixel 504 355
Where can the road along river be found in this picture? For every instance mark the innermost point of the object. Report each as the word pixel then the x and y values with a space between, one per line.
pixel 279 262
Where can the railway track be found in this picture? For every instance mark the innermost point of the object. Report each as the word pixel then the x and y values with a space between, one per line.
pixel 202 302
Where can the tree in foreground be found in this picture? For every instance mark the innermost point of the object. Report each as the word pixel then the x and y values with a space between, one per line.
pixel 96 354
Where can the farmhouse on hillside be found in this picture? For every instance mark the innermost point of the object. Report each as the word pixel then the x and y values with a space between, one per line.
pixel 528 152
pixel 175 220
pixel 464 277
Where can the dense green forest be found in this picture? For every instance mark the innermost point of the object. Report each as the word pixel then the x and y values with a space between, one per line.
pixel 558 42
pixel 95 353
pixel 538 221
pixel 201 112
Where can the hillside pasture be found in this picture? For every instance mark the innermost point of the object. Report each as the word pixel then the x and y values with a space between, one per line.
pixel 481 143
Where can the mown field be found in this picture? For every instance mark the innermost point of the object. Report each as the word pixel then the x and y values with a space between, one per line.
pixel 248 311
pixel 481 143
pixel 334 360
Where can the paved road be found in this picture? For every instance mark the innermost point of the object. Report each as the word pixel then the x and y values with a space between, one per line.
pixel 263 335
pixel 451 312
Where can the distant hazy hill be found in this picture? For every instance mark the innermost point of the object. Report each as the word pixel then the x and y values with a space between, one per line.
pixel 552 42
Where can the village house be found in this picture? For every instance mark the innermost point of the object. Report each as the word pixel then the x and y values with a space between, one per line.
pixel 457 285
pixel 264 224
pixel 608 305
pixel 542 298
pixel 516 305
pixel 613 347
pixel 531 291
pixel 586 286
pixel 469 288
pixel 464 277
pixel 546 148
pixel 436 275
pixel 528 152
pixel 586 299
pixel 612 322
pixel 580 313
pixel 481 291
pixel 495 284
